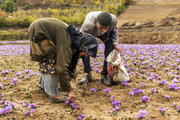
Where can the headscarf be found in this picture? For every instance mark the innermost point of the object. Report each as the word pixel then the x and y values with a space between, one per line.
pixel 83 42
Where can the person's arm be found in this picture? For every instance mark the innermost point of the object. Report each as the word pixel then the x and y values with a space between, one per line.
pixel 64 56
pixel 114 34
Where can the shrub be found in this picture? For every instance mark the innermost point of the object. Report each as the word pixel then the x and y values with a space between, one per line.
pixel 8 6
pixel 2 14
pixel 14 36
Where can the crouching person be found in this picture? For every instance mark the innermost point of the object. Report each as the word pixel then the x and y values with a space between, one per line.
pixel 53 43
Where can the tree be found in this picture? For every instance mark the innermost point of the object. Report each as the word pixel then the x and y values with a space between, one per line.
pixel 8 6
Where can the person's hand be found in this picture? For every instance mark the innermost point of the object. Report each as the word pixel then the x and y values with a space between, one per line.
pixel 72 96
pixel 117 48
pixel 83 54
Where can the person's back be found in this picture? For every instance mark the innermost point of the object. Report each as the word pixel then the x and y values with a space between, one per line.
pixel 52 45
pixel 47 26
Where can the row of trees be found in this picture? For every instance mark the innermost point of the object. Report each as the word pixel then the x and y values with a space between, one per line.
pixel 12 5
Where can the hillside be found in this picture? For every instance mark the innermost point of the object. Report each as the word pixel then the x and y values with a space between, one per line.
pixel 150 22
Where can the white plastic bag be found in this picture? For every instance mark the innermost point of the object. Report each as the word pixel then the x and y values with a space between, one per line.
pixel 116 70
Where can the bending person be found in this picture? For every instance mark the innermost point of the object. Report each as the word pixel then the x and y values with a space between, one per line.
pixel 53 43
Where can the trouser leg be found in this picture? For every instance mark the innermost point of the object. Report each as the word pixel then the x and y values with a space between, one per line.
pixel 50 84
pixel 86 63
pixel 108 48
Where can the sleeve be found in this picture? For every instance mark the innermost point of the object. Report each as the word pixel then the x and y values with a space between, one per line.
pixel 88 25
pixel 64 56
pixel 114 31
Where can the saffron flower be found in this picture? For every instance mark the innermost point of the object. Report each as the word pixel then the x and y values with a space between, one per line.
pixel 116 105
pixel 142 114
pixel 162 82
pixel 143 76
pixel 162 110
pixel 81 116
pixel 143 85
pixel 107 90
pixel 4 72
pixel 71 104
pixel 93 90
pixel 131 93
pixel 145 99
pixel 1 86
pixel 166 69
pixel 27 112
pixel 125 83
pixel 1 101
pixel 33 110
pixel 153 90
pixel 167 97
pixel 175 80
pixel 172 86
pixel 23 104
pixel 179 109
pixel 174 105
pixel 32 105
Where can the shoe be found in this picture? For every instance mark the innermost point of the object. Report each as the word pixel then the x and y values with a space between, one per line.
pixel 106 80
pixel 57 100
pixel 86 78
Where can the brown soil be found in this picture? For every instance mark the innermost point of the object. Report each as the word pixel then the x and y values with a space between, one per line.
pixel 141 24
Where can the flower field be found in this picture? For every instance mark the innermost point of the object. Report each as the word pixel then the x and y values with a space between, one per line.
pixel 154 93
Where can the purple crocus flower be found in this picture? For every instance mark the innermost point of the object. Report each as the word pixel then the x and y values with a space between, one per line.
pixel 27 112
pixel 174 105
pixel 68 102
pixel 175 80
pixel 143 76
pixel 143 85
pixel 166 69
pixel 33 110
pixel 145 99
pixel 162 110
pixel 150 78
pixel 159 77
pixel 1 101
pixel 142 114
pixel 178 108
pixel 23 104
pixel 93 90
pixel 4 72
pixel 167 97
pixel 27 70
pixel 73 105
pixel 162 82
pixel 125 83
pixel 1 86
pixel 153 90
pixel 32 105
pixel 81 116
pixel 131 93
pixel 107 90
pixel 5 79
pixel 136 90
pixel 172 86
pixel 97 70
pixel 18 74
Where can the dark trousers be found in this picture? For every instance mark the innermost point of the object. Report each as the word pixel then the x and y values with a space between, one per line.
pixel 108 48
